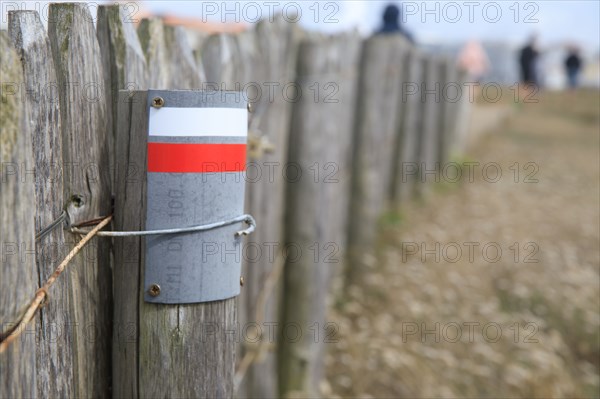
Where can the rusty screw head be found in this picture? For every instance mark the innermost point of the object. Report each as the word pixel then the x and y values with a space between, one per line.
pixel 242 281
pixel 154 290
pixel 158 102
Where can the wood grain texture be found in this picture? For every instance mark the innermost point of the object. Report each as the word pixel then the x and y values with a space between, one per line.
pixel 77 61
pixel 183 72
pixel 18 272
pixel 124 68
pixel 123 60
pixel 130 211
pixel 221 63
pixel 152 39
pixel 54 351
pixel 374 139
pixel 320 135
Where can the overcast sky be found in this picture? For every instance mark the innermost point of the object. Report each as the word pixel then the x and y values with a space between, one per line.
pixel 554 21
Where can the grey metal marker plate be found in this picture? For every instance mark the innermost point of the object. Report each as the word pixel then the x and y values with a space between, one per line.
pixel 201 266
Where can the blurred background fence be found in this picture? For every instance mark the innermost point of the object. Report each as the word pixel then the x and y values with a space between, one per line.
pixel 342 130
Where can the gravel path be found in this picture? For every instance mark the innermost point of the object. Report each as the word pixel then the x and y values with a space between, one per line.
pixel 490 287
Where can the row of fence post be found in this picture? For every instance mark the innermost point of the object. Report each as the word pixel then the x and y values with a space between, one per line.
pixel 337 123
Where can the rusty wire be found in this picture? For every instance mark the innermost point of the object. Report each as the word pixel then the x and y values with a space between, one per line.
pixel 41 295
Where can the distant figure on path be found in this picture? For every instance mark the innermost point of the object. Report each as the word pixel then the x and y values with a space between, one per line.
pixel 474 60
pixel 528 61
pixel 391 23
pixel 573 66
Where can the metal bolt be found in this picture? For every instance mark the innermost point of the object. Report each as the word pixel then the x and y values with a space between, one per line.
pixel 154 290
pixel 158 102
pixel 249 107
pixel 242 281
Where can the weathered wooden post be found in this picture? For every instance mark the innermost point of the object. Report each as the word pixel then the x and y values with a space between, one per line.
pixel 346 81
pixel 409 130
pixel 77 60
pixel 18 274
pixel 123 61
pixel 39 94
pixel 230 66
pixel 430 125
pixel 320 137
pixel 184 153
pixel 124 69
pixel 450 92
pixel 374 139
pixel 183 72
pixel 268 61
pixel 461 116
pixel 152 40
pixel 220 63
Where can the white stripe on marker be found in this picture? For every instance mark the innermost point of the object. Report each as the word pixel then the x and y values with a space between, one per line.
pixel 169 121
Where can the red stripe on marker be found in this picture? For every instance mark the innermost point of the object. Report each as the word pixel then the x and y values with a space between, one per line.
pixel 196 158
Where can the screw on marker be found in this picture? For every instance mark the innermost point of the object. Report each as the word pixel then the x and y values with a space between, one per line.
pixel 242 281
pixel 154 290
pixel 158 102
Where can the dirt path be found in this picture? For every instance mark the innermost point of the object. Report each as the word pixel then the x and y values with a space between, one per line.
pixel 446 314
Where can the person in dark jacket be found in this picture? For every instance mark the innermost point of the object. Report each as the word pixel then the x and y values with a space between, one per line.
pixel 391 23
pixel 573 66
pixel 528 62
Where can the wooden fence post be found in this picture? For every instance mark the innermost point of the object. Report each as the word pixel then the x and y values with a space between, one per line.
pixel 132 123
pixel 218 59
pixel 124 69
pixel 152 40
pixel 18 274
pixel 348 75
pixel 320 138
pixel 76 55
pixel 227 65
pixel 123 61
pixel 409 130
pixel 147 334
pixel 449 94
pixel 194 342
pixel 263 58
pixel 374 139
pixel 55 369
pixel 461 117
pixel 276 46
pixel 183 72
pixel 430 125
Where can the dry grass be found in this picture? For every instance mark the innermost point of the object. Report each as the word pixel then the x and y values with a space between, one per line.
pixel 555 302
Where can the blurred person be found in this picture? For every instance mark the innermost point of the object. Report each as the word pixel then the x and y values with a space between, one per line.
pixel 573 66
pixel 391 23
pixel 474 60
pixel 528 62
